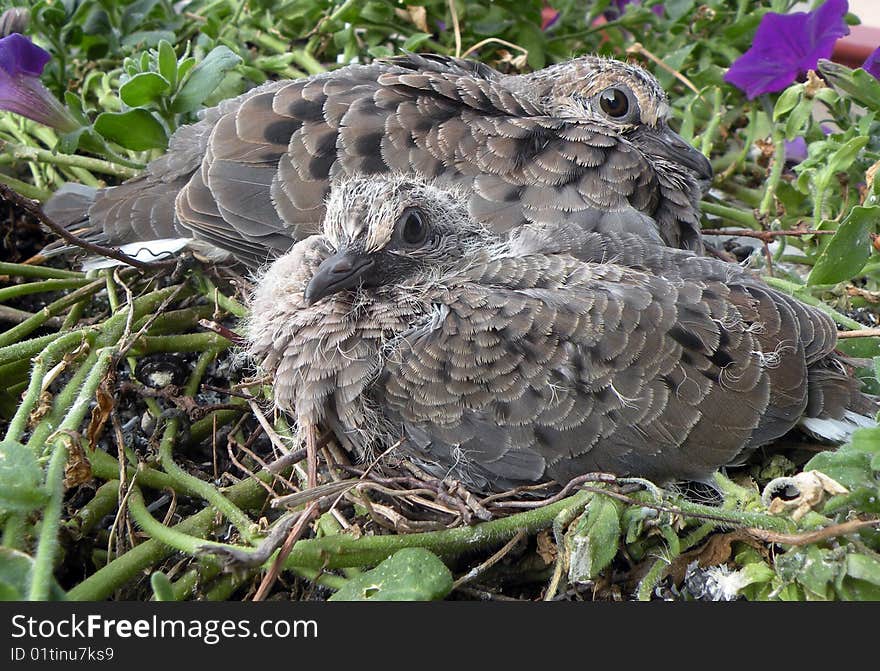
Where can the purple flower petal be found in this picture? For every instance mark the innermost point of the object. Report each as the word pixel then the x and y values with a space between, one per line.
pixel 795 150
pixel 22 92
pixel 872 63
pixel 786 45
pixel 18 55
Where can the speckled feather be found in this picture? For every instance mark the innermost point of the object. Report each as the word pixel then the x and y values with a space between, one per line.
pixel 251 177
pixel 543 353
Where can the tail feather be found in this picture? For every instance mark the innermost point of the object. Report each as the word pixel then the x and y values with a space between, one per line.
pixel 836 406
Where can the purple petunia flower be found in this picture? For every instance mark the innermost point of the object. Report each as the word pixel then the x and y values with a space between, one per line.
pixel 795 150
pixel 787 45
pixel 872 64
pixel 22 92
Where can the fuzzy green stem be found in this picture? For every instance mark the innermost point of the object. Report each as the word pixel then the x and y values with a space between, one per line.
pixel 47 357
pixel 775 172
pixel 47 545
pixel 43 272
pixel 731 214
pixel 29 325
pixel 104 502
pixel 25 189
pixel 213 294
pixel 27 153
pixel 192 342
pixel 18 290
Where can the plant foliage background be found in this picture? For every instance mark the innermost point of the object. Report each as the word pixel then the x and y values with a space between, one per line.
pixel 97 467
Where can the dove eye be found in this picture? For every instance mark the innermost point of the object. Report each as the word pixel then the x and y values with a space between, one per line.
pixel 614 102
pixel 413 229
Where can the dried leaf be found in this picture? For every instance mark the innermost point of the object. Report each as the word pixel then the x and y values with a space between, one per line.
pixel 546 547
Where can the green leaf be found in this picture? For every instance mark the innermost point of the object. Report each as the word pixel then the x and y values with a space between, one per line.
pixel 411 574
pixel 857 84
pixel 787 101
pixel 168 62
pixel 414 40
pixel 862 567
pixel 849 248
pixel 21 478
pixel 840 160
pixel 206 76
pixel 136 129
pixel 595 540
pixel 851 464
pixel 15 577
pixel 143 89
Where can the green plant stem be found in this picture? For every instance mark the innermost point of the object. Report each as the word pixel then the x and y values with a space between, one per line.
pixel 711 131
pixel 29 348
pixel 27 153
pixel 43 272
pixel 775 172
pixel 47 357
pixel 204 489
pixel 31 324
pixel 246 494
pixel 25 189
pixel 104 502
pixel 192 342
pixel 15 531
pixel 731 214
pixel 47 545
pixel 307 62
pixel 213 294
pixel 18 290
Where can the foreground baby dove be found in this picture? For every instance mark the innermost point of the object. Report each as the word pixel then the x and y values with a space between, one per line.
pixel 545 352
pixel 584 142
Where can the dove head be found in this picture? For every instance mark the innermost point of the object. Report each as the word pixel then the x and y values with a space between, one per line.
pixel 621 96
pixel 385 230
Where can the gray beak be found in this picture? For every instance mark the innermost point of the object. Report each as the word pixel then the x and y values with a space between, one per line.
pixel 343 270
pixel 666 143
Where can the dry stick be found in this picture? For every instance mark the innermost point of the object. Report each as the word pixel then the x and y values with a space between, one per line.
pixel 637 48
pixel 491 561
pixel 312 454
pixel 813 536
pixel 764 236
pixel 33 208
pixel 859 333
pixel 222 331
pixel 456 29
pixel 292 538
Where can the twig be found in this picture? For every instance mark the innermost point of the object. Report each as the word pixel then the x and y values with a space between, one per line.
pixel 34 209
pixel 491 561
pixel 637 48
pixel 812 536
pixel 222 331
pixel 292 538
pixel 858 333
pixel 764 236
pixel 456 29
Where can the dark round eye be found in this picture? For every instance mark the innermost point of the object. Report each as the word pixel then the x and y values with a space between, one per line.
pixel 413 229
pixel 614 103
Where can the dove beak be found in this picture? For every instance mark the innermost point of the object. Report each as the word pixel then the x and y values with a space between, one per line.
pixel 344 270
pixel 666 143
